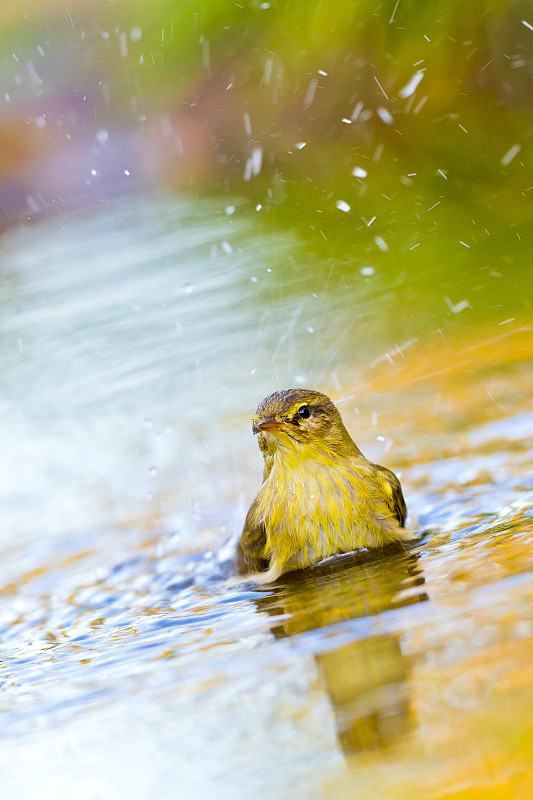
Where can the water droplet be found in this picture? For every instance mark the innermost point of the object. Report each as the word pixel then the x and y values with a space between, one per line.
pixel 381 243
pixel 384 115
pixel 187 288
pixel 380 438
pixel 230 210
pixel 342 205
pixel 152 472
pixel 102 136
pixel 367 271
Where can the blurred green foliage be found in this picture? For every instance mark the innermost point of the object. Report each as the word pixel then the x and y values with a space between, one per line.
pixel 429 102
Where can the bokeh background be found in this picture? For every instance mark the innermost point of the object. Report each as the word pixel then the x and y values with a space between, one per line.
pixel 397 132
pixel 200 203
pixel 286 103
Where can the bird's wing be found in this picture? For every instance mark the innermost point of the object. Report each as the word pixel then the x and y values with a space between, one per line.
pixel 393 491
pixel 251 547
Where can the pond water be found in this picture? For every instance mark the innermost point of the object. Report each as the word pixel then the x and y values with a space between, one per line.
pixel 135 344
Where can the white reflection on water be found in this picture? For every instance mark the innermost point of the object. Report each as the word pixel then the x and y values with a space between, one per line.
pixel 128 336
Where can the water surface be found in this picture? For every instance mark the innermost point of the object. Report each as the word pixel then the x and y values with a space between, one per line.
pixel 135 343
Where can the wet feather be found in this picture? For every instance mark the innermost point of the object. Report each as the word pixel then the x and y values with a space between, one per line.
pixel 320 495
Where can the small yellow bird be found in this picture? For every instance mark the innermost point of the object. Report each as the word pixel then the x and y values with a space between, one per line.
pixel 320 495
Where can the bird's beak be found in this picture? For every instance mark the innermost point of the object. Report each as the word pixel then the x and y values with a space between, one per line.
pixel 269 424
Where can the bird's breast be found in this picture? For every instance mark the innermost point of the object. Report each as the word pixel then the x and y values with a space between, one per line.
pixel 310 513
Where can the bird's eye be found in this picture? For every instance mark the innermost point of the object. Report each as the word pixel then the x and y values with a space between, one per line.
pixel 304 412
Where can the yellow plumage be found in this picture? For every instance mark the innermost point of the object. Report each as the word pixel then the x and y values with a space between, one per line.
pixel 320 495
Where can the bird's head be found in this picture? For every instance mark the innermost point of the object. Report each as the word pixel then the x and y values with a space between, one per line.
pixel 301 418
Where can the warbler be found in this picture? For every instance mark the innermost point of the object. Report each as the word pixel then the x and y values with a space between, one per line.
pixel 320 495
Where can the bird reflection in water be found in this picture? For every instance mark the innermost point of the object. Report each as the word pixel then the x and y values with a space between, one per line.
pixel 367 679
